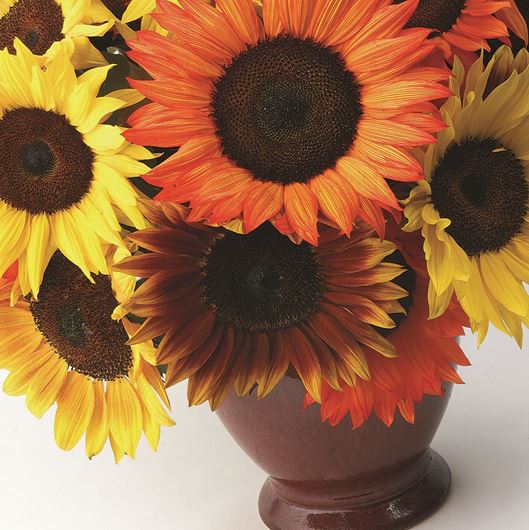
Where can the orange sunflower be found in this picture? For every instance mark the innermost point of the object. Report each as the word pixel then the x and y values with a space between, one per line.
pixel 464 26
pixel 427 355
pixel 291 112
pixel 236 310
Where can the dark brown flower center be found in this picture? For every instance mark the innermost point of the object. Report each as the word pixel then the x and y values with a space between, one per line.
pixel 482 188
pixel 440 15
pixel 37 23
pixel 261 281
pixel 75 316
pixel 117 7
pixel 46 166
pixel 287 109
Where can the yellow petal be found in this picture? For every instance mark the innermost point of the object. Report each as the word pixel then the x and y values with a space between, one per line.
pixel 93 79
pixel 514 323
pixel 118 187
pixel 85 54
pixel 440 267
pixel 45 386
pixel 151 402
pixel 14 235
pixel 79 104
pixel 119 453
pixel 517 265
pixel 129 96
pixel 99 111
pixel 14 73
pixel 138 152
pixel 477 302
pixel 61 76
pixel 18 381
pixel 125 165
pixel 151 428
pixel 16 347
pixel 155 380
pixel 37 257
pixel 89 243
pixel 73 11
pixel 15 316
pixel 98 210
pixel 89 30
pixel 503 286
pixel 121 191
pixel 124 414
pixel 41 90
pixel 439 302
pixel 67 239
pixel 99 12
pixel 98 428
pixel 137 9
pixel 75 405
pixel 105 139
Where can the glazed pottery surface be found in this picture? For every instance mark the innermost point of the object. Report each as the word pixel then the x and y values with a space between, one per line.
pixel 337 478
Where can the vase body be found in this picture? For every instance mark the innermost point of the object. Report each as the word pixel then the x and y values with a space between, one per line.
pixel 337 478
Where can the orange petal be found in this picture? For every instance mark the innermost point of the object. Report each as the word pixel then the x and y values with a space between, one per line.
pixel 301 208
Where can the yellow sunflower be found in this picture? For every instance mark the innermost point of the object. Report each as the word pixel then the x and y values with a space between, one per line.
pixel 67 349
pixel 63 183
pixel 46 26
pixel 473 206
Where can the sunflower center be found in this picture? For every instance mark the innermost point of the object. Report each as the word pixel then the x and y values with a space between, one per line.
pixel 436 14
pixel 36 158
pixel 75 317
pixel 46 166
pixel 408 281
pixel 37 23
pixel 116 7
pixel 286 109
pixel 481 187
pixel 261 281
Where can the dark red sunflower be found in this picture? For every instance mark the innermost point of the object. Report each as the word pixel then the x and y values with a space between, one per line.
pixel 237 310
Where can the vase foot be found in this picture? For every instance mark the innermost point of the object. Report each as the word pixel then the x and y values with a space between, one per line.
pixel 401 510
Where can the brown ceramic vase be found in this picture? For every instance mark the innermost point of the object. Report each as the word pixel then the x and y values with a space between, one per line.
pixel 334 478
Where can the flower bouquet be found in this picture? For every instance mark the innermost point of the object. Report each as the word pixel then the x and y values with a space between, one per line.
pixel 294 202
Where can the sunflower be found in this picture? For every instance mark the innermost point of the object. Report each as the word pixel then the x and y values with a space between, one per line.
pixel 464 26
pixel 293 115
pixel 473 207
pixel 237 310
pixel 63 182
pixel 426 349
pixel 67 349
pixel 46 26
